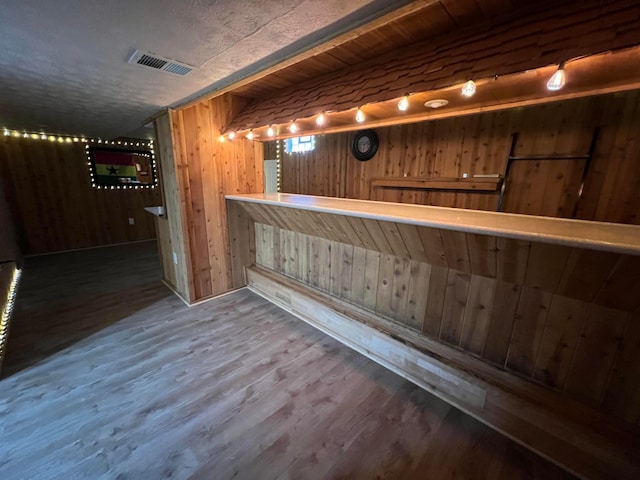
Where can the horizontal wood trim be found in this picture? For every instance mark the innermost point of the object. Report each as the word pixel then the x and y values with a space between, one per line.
pixel 573 233
pixel 439 183
pixel 584 443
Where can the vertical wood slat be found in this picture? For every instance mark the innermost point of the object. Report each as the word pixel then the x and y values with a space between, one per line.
pixel 417 295
pixel 371 272
pixel 530 320
pixel 455 303
pixel 385 284
pixel 500 328
pixel 559 340
pixel 477 314
pixel 595 354
pixel 400 292
pixel 622 396
pixel 435 301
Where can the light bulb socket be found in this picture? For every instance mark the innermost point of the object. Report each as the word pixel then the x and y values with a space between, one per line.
pixel 403 104
pixel 558 79
pixel 469 89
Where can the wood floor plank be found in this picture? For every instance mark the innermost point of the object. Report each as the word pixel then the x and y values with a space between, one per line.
pixel 109 375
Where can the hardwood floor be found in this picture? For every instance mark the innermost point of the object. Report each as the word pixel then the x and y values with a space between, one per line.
pixel 110 376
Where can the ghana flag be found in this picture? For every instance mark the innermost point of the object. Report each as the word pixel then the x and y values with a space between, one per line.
pixel 113 167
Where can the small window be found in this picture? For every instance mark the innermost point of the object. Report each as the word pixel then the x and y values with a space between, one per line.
pixel 300 144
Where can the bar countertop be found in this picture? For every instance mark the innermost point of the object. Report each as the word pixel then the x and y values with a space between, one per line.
pixel 612 237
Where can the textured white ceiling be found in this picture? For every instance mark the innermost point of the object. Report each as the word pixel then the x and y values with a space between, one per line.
pixel 63 63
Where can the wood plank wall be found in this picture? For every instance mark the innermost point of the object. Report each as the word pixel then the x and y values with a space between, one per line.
pixel 54 206
pixel 566 318
pixel 207 170
pixel 9 249
pixel 479 144
pixel 171 234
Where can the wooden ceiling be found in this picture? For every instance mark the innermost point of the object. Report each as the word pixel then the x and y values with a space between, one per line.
pixel 426 48
pixel 414 23
pixel 593 75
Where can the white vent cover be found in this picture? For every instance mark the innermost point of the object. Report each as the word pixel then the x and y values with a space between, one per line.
pixel 152 60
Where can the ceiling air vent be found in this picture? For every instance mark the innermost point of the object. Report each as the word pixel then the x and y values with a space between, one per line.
pixel 152 60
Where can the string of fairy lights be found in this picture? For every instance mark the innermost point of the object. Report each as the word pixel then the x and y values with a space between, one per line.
pixel 278 165
pixel 7 307
pixel 92 173
pixel 93 142
pixel 556 82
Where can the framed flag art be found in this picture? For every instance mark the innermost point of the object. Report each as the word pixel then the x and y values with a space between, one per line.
pixel 121 168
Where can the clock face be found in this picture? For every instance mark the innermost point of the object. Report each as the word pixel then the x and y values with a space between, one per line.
pixel 364 145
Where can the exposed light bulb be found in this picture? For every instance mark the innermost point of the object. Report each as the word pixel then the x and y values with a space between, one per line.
pixel 250 135
pixel 270 131
pixel 321 119
pixel 469 89
pixel 403 104
pixel 359 116
pixel 293 128
pixel 558 79
pixel 232 135
pixel 43 136
pixel 6 132
pixel 221 138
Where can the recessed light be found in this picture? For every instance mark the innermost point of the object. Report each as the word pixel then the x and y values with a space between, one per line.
pixel 437 103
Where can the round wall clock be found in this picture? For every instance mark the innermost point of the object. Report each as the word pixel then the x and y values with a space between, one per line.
pixel 364 145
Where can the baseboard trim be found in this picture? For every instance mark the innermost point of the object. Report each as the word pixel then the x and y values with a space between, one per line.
pixel 202 300
pixel 30 255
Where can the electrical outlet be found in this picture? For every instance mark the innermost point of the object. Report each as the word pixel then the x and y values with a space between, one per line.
pixel 175 258
pixel 132 221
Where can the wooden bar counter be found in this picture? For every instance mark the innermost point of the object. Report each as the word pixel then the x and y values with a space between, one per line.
pixel 530 324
